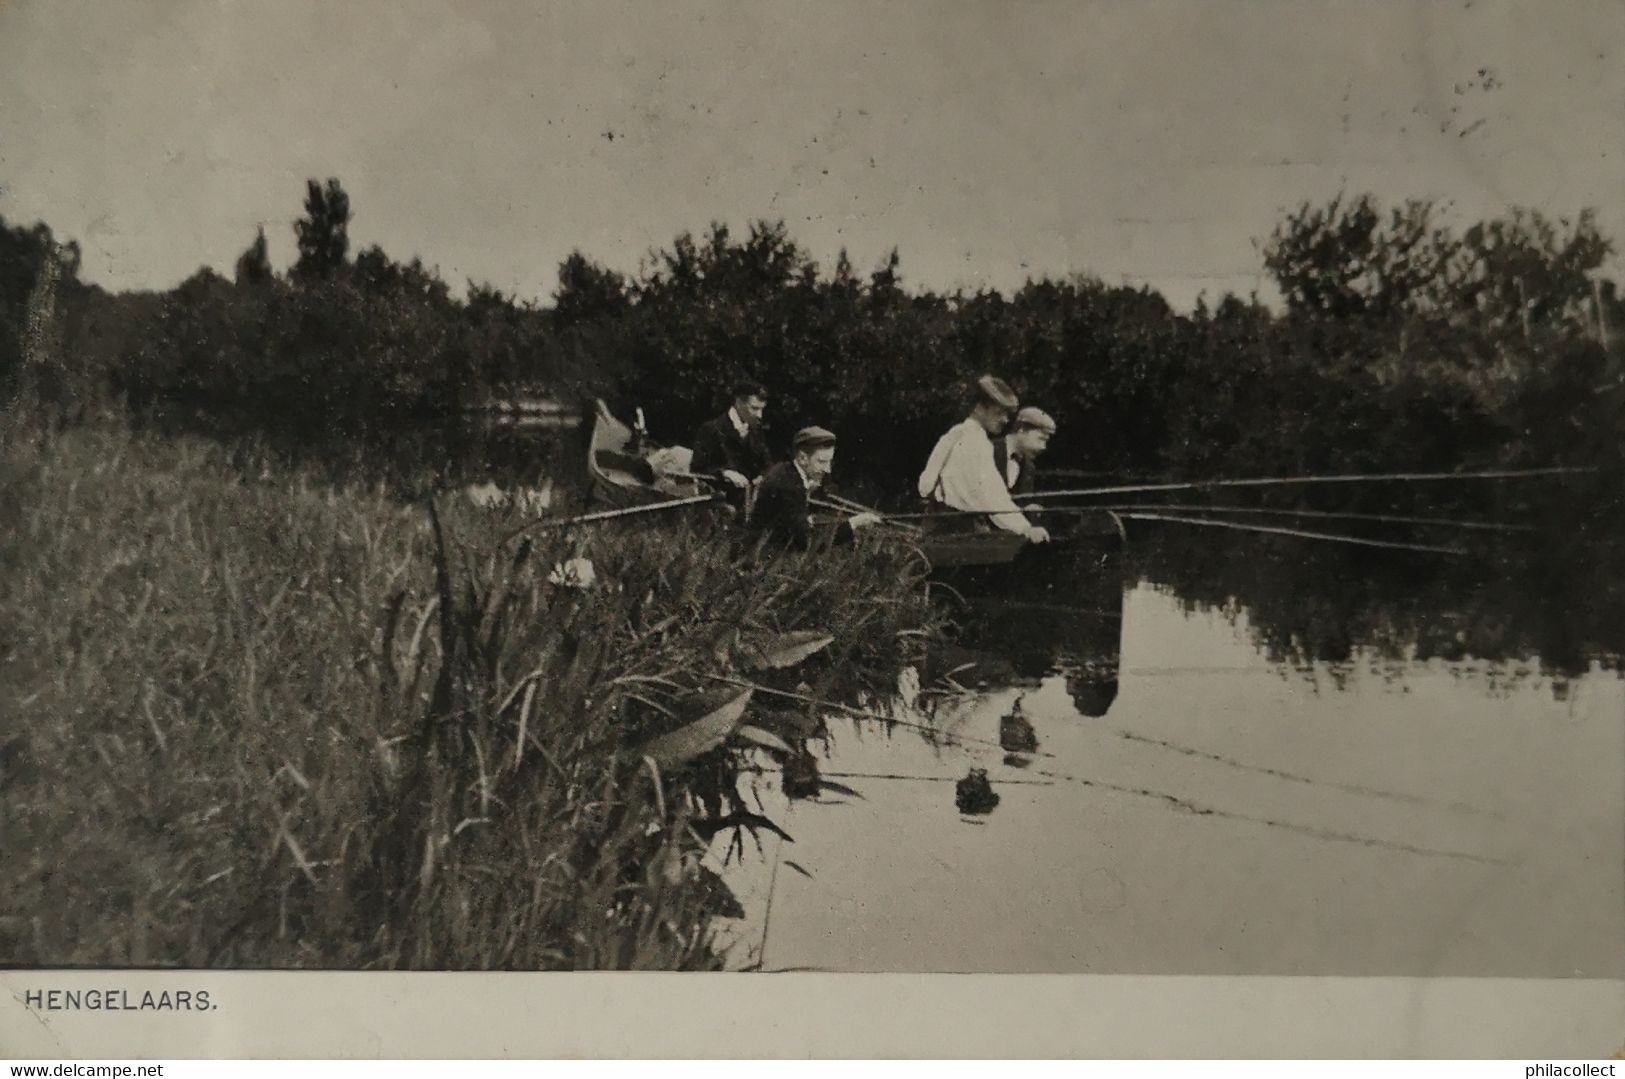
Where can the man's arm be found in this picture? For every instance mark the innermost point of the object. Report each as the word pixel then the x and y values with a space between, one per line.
pixel 715 456
pixel 994 495
pixel 972 482
pixel 710 457
pixel 934 464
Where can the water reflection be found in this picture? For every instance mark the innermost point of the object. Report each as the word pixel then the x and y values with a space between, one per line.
pixel 1307 603
pixel 1252 757
pixel 1231 814
pixel 1071 626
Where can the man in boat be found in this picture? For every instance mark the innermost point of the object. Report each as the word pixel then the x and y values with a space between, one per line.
pixel 1016 454
pixel 732 446
pixel 782 511
pixel 962 473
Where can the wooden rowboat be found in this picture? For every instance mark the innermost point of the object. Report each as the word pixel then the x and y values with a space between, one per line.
pixel 623 473
pixel 955 551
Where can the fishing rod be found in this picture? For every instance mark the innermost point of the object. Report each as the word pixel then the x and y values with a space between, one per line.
pixel 844 506
pixel 1489 526
pixel 1300 533
pixel 1279 481
pixel 849 504
pixel 933 779
pixel 606 515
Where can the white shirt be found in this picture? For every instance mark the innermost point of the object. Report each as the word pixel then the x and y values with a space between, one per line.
pixel 961 473
pixel 806 480
pixel 739 425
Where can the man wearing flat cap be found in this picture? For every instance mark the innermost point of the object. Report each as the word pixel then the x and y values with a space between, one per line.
pixel 782 512
pixel 962 473
pixel 1017 453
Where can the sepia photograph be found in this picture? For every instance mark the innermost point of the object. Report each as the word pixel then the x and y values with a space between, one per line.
pixel 1053 488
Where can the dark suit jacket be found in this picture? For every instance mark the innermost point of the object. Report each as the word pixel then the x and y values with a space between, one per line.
pixel 781 510
pixel 1026 478
pixel 717 445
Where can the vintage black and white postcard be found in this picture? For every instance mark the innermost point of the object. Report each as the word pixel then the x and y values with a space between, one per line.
pixel 1124 491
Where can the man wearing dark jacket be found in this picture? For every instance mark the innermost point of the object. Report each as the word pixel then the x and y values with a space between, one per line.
pixel 782 511
pixel 732 445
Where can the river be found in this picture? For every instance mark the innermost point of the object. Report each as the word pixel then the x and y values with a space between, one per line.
pixel 1325 764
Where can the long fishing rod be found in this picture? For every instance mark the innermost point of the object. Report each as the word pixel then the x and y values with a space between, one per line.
pixel 1279 481
pixel 1359 541
pixel 934 779
pixel 606 515
pixel 845 506
pixel 1489 526
pixel 848 504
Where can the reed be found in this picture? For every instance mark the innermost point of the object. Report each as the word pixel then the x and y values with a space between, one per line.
pixel 285 724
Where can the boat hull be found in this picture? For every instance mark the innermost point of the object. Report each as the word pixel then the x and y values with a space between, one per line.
pixel 621 476
pixel 1003 561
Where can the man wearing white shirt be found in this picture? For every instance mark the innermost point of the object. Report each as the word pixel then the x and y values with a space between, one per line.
pixel 962 474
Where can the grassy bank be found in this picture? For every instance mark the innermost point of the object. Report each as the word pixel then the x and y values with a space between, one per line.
pixel 270 722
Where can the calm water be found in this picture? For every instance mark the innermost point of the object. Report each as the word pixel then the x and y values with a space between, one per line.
pixel 1322 764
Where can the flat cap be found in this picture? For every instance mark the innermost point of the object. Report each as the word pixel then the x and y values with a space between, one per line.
pixel 812 438
pixel 997 391
pixel 1035 418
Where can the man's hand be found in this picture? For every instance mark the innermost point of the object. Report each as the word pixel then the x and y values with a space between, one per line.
pixel 863 520
pixel 735 478
pixel 1032 507
pixel 1037 535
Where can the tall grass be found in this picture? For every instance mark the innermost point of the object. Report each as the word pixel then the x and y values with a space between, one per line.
pixel 275 723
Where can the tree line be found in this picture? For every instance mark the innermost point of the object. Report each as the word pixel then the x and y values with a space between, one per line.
pixel 1398 340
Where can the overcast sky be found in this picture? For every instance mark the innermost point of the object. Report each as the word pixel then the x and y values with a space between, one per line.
pixel 1150 141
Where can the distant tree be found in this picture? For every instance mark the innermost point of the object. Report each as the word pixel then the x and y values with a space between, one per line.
pixel 1344 261
pixel 35 269
pixel 1502 278
pixel 254 264
pixel 375 271
pixel 587 291
pixel 323 232
pixel 1524 273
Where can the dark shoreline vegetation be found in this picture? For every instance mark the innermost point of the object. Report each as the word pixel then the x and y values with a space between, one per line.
pixel 1399 343
pixel 261 721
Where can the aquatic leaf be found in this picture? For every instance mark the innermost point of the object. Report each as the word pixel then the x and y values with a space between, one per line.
pixel 754 821
pixel 738 819
pixel 839 788
pixel 707 732
pixel 784 650
pixel 765 739
pixel 788 864
pixel 715 894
